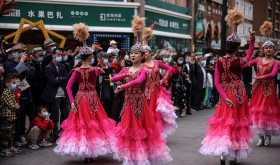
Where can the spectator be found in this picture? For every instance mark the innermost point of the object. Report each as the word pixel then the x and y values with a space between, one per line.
pixel 209 84
pixel 20 61
pixel 40 129
pixel 8 118
pixel 190 79
pixel 179 90
pixel 14 61
pixel 38 81
pixel 17 94
pixel 114 48
pixel 105 87
pixel 55 90
pixel 198 89
pixel 49 45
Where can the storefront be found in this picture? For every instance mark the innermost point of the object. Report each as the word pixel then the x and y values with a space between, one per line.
pixel 112 19
pixel 171 28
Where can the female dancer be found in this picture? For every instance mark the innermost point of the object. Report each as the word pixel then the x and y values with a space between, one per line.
pixel 229 135
pixel 138 140
pixel 264 106
pixel 157 96
pixel 87 132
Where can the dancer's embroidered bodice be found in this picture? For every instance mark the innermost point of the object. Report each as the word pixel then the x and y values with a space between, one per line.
pixel 266 74
pixel 228 72
pixel 134 89
pixel 153 76
pixel 86 78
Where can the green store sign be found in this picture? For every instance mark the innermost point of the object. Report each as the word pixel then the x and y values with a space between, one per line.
pixel 61 14
pixel 168 23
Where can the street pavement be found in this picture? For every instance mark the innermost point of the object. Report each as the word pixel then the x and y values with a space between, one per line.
pixel 184 145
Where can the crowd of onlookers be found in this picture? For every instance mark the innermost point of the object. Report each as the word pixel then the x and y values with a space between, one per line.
pixel 33 85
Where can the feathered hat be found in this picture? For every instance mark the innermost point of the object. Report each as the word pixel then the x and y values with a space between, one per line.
pixel 148 33
pixel 266 30
pixel 138 27
pixel 234 18
pixel 81 33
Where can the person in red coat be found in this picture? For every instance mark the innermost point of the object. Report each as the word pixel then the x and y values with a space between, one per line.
pixel 40 129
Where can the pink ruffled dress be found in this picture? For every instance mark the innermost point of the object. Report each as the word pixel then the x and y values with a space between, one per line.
pixel 159 99
pixel 229 133
pixel 138 140
pixel 264 105
pixel 89 132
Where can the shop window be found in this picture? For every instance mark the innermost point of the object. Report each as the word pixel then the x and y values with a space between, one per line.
pixel 269 13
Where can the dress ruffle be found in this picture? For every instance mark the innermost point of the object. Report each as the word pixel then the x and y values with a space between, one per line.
pixel 228 133
pixel 167 111
pixel 138 141
pixel 265 113
pixel 86 134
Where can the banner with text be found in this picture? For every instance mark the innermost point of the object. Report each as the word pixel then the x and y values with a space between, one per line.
pixel 167 23
pixel 61 14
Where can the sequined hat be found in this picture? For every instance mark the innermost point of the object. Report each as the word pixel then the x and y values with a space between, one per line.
pixel 137 47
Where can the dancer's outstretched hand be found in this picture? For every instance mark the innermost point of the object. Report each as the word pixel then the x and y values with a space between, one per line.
pixel 73 108
pixel 252 33
pixel 229 102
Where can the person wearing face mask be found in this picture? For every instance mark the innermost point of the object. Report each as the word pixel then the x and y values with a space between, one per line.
pixel 265 106
pixel 40 129
pixel 20 61
pixel 16 59
pixel 198 89
pixel 9 106
pixel 113 47
pixel 190 79
pixel 38 81
pixel 54 92
pixel 104 86
pixel 209 82
pixel 179 89
pixel 49 46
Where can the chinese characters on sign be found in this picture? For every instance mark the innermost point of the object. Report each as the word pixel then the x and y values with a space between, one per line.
pixel 116 17
pixel 39 14
pixel 172 24
pixel 17 13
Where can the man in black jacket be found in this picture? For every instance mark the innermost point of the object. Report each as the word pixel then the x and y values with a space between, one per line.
pixel 38 81
pixel 55 90
pixel 198 88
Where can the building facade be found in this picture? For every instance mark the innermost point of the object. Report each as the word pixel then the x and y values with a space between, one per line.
pixel 246 6
pixel 268 10
pixel 208 19
pixel 107 20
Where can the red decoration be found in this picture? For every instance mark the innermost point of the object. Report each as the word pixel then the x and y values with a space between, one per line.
pixel 260 44
pixel 152 26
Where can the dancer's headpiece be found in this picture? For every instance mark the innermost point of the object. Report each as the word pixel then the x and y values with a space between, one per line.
pixel 138 27
pixel 266 30
pixel 81 33
pixel 234 18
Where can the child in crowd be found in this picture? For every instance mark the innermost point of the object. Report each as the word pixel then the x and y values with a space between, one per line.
pixel 9 106
pixel 40 129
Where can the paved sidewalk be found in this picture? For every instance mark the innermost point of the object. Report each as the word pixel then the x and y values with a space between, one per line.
pixel 184 145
